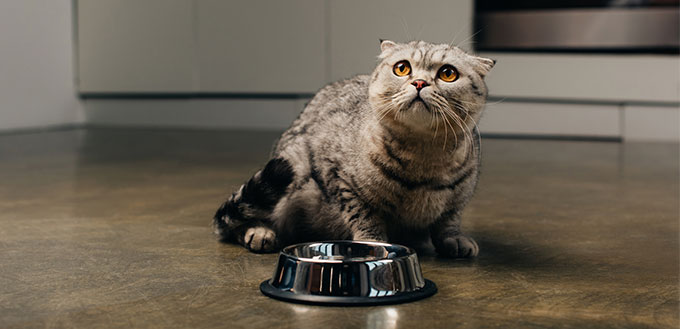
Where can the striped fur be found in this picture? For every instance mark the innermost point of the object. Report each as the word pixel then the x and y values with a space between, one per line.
pixel 372 158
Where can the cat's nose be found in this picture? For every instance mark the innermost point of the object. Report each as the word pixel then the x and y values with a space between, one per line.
pixel 420 84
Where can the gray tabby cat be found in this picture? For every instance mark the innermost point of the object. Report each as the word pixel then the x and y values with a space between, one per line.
pixel 393 156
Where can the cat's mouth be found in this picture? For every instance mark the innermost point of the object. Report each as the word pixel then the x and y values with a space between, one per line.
pixel 417 102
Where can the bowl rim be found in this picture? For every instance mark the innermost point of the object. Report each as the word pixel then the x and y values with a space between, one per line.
pixel 409 252
pixel 429 289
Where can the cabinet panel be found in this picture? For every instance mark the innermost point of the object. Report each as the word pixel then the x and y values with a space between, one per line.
pixel 520 118
pixel 135 46
pixel 651 123
pixel 260 46
pixel 356 27
pixel 614 78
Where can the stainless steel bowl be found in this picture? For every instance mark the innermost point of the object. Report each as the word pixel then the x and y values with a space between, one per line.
pixel 348 273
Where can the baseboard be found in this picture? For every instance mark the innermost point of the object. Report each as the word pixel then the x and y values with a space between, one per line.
pixel 254 114
pixel 41 129
pixel 504 119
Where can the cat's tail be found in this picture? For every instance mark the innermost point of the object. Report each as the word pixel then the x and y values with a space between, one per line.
pixel 252 204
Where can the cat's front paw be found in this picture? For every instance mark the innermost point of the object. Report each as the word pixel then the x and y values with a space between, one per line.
pixel 260 239
pixel 457 246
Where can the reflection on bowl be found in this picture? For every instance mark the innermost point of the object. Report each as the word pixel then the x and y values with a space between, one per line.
pixel 348 273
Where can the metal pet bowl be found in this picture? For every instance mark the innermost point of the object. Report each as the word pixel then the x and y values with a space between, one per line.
pixel 348 273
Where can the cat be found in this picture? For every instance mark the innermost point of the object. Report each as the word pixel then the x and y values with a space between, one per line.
pixel 392 156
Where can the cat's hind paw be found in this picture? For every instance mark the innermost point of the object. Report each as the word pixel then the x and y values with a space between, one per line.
pixel 457 246
pixel 260 239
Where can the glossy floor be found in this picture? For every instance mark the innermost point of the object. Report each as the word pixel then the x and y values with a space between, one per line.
pixel 111 228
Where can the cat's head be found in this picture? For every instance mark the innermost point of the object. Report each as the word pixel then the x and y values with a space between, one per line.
pixel 428 87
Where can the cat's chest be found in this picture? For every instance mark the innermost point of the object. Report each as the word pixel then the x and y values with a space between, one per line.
pixel 420 206
pixel 414 188
pixel 413 203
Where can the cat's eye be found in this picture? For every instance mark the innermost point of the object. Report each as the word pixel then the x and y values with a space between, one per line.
pixel 448 73
pixel 402 68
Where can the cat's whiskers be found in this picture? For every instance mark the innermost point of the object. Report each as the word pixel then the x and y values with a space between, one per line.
pixel 436 113
pixel 402 101
pixel 384 113
pixel 396 107
pixel 446 135
pixel 420 32
pixel 405 26
pixel 464 109
pixel 388 105
pixel 456 36
pixel 384 110
pixel 434 122
pixel 439 103
pixel 468 38
pixel 483 103
pixel 396 112
pixel 459 122
pixel 446 106
pixel 466 129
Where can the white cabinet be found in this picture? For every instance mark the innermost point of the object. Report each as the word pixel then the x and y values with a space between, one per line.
pixel 552 119
pixel 356 27
pixel 586 77
pixel 294 47
pixel 247 46
pixel 135 46
pixel 651 123
pixel 260 46
pixel 184 46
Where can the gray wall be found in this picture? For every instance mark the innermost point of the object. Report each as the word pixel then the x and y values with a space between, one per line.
pixel 36 65
pixel 247 46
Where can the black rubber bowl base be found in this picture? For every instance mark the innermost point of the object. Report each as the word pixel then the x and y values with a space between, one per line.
pixel 268 290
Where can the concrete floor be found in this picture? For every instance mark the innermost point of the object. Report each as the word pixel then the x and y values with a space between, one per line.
pixel 111 228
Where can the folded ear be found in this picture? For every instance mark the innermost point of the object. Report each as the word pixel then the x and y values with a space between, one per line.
pixel 386 44
pixel 484 65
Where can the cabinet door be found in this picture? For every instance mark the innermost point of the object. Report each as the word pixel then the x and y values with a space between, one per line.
pixel 599 77
pixel 257 46
pixel 356 27
pixel 135 46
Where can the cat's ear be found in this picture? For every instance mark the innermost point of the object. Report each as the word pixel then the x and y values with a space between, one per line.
pixel 386 44
pixel 484 65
